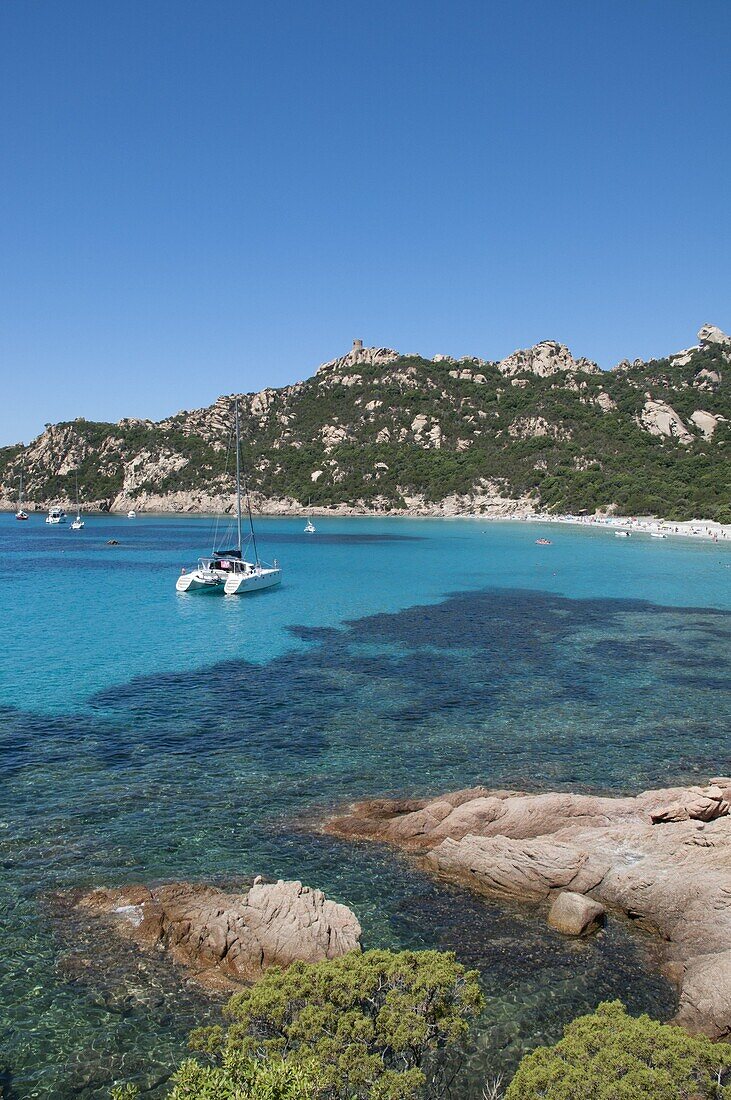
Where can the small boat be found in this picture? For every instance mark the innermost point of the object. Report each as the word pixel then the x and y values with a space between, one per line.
pixel 622 535
pixel 658 535
pixel 227 571
pixel 131 514
pixel 309 526
pixel 78 523
pixel 21 513
pixel 56 515
pixel 543 542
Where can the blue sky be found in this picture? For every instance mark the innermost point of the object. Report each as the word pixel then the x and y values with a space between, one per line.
pixel 202 197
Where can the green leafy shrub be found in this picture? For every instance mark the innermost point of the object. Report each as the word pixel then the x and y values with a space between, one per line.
pixel 236 1078
pixel 612 1056
pixel 239 1078
pixel 366 1025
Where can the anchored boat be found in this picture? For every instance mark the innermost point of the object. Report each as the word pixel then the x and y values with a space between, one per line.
pixel 78 524
pixel 227 571
pixel 21 513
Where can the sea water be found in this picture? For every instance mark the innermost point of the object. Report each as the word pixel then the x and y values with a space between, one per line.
pixel 147 736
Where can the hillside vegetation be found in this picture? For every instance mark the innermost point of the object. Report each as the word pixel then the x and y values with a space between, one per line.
pixel 375 430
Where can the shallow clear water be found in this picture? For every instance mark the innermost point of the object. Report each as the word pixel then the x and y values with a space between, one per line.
pixel 150 736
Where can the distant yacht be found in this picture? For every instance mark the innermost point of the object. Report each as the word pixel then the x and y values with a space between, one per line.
pixel 226 570
pixel 78 523
pixel 56 515
pixel 309 526
pixel 21 513
pixel 131 514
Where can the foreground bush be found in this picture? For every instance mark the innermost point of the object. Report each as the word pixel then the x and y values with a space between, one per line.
pixel 241 1079
pixel 612 1056
pixel 366 1025
pixel 235 1079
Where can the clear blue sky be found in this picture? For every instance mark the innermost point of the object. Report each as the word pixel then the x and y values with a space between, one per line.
pixel 209 196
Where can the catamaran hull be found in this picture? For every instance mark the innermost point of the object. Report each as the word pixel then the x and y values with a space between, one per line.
pixel 194 582
pixel 240 584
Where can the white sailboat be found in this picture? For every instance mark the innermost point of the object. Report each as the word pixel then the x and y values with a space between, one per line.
pixel 309 526
pixel 228 571
pixel 78 523
pixel 21 513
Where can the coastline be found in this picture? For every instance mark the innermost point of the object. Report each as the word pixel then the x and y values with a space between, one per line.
pixel 511 511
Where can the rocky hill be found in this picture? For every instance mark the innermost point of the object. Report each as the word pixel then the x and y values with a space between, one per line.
pixel 378 431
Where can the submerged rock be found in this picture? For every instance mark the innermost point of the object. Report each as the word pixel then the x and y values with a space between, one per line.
pixel 662 858
pixel 574 914
pixel 229 939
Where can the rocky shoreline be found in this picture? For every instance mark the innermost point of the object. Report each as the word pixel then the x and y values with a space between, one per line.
pixel 661 859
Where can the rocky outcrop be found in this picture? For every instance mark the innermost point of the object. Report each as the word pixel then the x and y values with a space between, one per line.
pixel 705 422
pixel 662 858
pixel 543 360
pixel 534 427
pixel 224 939
pixel 659 418
pixel 372 357
pixel 605 402
pixel 710 335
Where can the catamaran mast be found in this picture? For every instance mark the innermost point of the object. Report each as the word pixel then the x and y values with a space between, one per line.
pixel 238 483
pixel 238 496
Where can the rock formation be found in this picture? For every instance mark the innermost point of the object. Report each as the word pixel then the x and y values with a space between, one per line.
pixel 543 360
pixel 373 357
pixel 659 418
pixel 705 422
pixel 710 334
pixel 574 914
pixel 662 858
pixel 227 939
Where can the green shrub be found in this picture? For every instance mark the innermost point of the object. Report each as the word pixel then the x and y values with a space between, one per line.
pixel 240 1078
pixel 612 1056
pixel 236 1078
pixel 366 1025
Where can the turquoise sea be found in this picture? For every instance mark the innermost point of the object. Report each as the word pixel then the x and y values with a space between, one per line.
pixel 148 736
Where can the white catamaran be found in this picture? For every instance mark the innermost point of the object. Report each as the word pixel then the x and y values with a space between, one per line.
pixel 227 571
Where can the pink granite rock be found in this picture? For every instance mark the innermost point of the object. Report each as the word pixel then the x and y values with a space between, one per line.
pixel 663 858
pixel 226 939
pixel 574 914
